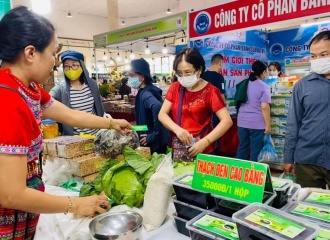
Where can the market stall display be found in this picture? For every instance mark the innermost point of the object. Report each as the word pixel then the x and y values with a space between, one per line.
pixel 263 222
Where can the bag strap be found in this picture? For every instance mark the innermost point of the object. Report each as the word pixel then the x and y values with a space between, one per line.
pixel 181 97
pixel 10 88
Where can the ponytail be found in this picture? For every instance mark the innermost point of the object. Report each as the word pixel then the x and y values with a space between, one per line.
pixel 252 76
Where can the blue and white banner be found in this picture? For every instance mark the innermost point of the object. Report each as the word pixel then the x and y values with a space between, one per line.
pixel 240 50
pixel 291 47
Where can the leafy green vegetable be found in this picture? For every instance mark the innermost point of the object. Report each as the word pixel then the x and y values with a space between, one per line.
pixel 136 161
pixel 181 167
pixel 88 189
pixel 125 182
pixel 156 159
pixel 125 187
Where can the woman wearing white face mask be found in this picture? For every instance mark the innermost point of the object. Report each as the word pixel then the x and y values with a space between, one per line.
pixel 275 69
pixel 188 108
pixel 148 102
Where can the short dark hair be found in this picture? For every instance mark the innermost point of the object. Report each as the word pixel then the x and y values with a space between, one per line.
pixel 277 65
pixel 192 56
pixel 258 67
pixel 324 35
pixel 20 28
pixel 216 58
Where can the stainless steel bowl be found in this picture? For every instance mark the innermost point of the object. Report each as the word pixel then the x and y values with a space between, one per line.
pixel 116 226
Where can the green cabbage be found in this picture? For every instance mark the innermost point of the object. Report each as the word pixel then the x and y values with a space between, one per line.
pixel 124 182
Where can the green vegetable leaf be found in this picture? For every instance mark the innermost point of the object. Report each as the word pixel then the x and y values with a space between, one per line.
pixel 88 189
pixel 103 170
pixel 156 159
pixel 181 167
pixel 136 161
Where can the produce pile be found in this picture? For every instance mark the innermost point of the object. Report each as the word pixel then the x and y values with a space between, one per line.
pixel 125 181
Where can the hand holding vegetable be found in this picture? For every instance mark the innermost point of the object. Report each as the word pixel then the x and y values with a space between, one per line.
pixel 198 147
pixel 119 124
pixel 184 136
pixel 88 206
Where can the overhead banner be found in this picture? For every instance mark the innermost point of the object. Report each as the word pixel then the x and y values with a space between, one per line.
pixel 174 23
pixel 240 51
pixel 4 7
pixel 241 14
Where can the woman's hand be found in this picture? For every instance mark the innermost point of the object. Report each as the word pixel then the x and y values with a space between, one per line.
pixel 143 139
pixel 198 147
pixel 184 136
pixel 120 124
pixel 89 206
pixel 268 130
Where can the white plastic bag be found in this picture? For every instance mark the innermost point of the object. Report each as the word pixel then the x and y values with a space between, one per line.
pixel 158 194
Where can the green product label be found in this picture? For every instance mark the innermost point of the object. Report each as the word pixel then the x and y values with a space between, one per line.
pixel 218 226
pixel 317 197
pixel 174 23
pixel 275 223
pixel 323 235
pixel 278 183
pixel 322 214
pixel 187 180
pixel 240 180
pixel 139 128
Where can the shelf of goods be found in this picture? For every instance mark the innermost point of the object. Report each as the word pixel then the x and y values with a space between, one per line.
pixel 281 90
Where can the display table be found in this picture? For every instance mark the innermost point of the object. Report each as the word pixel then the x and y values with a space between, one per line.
pixel 120 110
pixel 62 227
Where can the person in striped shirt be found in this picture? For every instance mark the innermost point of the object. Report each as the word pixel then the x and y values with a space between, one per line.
pixel 78 91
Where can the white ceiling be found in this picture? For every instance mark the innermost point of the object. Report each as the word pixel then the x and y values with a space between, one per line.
pixel 127 8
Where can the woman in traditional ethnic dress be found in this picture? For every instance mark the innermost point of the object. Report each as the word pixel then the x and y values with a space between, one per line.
pixel 27 49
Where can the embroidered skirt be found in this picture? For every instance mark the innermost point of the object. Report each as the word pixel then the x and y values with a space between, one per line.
pixel 19 225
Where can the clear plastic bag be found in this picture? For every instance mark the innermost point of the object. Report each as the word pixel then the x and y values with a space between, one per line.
pixel 267 153
pixel 110 143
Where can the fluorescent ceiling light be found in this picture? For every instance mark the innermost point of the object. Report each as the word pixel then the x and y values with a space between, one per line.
pixel 41 6
pixel 314 23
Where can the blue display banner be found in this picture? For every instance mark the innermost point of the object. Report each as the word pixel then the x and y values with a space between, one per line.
pixel 240 50
pixel 291 47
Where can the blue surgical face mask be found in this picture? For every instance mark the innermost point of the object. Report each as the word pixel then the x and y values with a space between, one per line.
pixel 134 82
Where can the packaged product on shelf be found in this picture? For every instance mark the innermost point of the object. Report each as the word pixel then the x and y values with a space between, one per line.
pixel 314 213
pixel 228 207
pixel 185 193
pixel 50 145
pixel 209 225
pixel 259 221
pixel 90 178
pixel 281 187
pixel 279 111
pixel 86 165
pixel 181 225
pixel 316 196
pixel 185 210
pixel 75 146
pixel 293 192
pixel 324 234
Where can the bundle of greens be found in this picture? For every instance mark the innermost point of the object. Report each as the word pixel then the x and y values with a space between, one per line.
pixel 125 182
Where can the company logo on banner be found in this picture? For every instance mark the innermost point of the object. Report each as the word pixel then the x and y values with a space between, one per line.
pixel 202 22
pixel 246 14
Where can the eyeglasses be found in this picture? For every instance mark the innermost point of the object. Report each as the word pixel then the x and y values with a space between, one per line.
pixel 73 67
pixel 187 74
